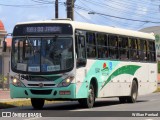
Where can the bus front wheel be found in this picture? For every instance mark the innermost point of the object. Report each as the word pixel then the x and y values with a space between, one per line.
pixel 37 103
pixel 88 102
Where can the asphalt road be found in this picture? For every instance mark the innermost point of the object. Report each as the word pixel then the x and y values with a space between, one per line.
pixel 103 107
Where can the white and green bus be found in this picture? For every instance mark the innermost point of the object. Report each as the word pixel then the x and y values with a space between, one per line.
pixel 68 60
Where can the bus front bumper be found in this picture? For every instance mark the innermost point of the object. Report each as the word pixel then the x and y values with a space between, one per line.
pixel 46 93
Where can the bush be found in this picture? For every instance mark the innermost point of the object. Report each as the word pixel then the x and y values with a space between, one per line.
pixel 5 78
pixel 158 67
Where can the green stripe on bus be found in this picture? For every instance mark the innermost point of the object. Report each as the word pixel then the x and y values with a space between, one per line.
pixel 128 69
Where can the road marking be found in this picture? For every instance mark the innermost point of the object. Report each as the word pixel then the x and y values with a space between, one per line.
pixel 32 118
pixel 80 110
pixel 148 119
pixel 153 100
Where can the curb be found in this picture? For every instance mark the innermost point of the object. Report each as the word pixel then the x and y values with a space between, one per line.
pixel 12 100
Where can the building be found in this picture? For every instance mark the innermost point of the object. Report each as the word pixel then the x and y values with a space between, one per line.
pixel 156 31
pixel 4 58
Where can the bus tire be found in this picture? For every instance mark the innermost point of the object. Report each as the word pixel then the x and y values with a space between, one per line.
pixel 134 93
pixel 37 103
pixel 88 102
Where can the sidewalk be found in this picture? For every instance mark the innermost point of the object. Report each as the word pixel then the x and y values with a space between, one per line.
pixel 5 96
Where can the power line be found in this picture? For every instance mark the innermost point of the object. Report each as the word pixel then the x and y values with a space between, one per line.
pixel 113 21
pixel 85 5
pixel 146 21
pixel 117 22
pixel 11 5
pixel 83 17
pixel 40 1
pixel 124 24
pixel 141 2
pixel 141 26
pixel 107 7
pixel 44 1
pixel 118 9
pixel 131 5
pixel 109 21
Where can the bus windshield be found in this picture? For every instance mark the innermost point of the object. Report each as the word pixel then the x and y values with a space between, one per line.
pixel 42 54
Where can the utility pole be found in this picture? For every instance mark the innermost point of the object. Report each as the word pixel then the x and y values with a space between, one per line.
pixel 56 9
pixel 70 9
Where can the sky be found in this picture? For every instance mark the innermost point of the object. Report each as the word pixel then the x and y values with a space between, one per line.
pixel 128 14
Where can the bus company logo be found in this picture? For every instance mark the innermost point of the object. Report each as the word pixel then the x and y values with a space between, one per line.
pixel 41 84
pixel 105 70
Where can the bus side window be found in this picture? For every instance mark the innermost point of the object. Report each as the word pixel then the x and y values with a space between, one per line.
pixel 152 56
pixel 133 49
pixel 102 45
pixel 142 50
pixel 113 47
pixel 145 50
pixel 91 45
pixel 123 48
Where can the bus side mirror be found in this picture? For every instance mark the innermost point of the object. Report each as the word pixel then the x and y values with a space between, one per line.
pixel 4 46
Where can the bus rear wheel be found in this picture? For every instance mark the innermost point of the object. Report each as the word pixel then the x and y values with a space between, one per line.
pixel 88 102
pixel 37 103
pixel 134 93
pixel 133 97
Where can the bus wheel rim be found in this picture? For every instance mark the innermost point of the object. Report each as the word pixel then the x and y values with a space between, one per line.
pixel 91 96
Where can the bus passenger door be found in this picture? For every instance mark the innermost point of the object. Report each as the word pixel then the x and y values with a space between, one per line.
pixel 80 51
pixel 81 84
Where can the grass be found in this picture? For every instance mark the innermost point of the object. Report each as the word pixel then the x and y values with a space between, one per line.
pixel 4 105
pixel 158 90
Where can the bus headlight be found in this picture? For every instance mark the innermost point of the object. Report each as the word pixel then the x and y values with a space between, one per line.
pixel 16 82
pixel 66 82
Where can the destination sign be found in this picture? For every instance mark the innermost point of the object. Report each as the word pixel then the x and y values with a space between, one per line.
pixel 43 29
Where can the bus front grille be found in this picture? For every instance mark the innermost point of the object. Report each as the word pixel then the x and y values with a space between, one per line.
pixel 40 78
pixel 45 85
pixel 41 92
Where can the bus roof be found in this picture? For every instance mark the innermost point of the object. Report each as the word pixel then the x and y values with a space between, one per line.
pixel 98 28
